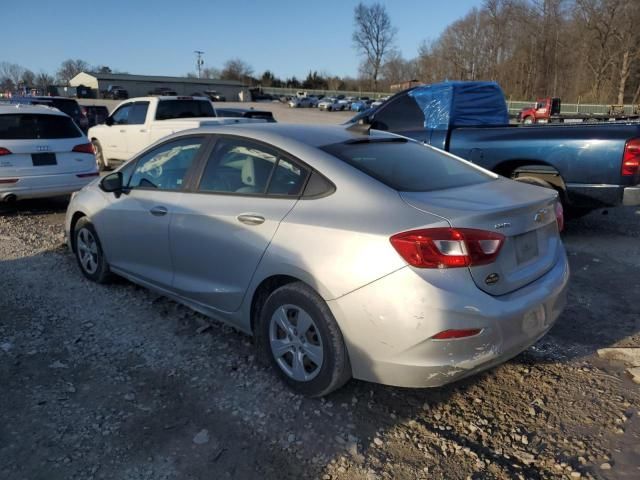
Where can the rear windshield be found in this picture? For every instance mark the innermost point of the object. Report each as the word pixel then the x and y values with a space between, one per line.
pixel 168 109
pixel 407 166
pixel 70 107
pixel 16 126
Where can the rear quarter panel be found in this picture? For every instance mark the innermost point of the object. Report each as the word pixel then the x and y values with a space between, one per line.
pixel 590 154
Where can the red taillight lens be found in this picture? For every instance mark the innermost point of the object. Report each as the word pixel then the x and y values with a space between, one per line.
pixel 83 148
pixel 4 151
pixel 631 158
pixel 453 334
pixel 447 247
pixel 8 180
pixel 559 216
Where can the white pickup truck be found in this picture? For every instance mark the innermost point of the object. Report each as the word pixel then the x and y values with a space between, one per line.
pixel 138 122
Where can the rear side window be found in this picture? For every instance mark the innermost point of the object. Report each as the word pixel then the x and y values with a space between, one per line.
pixel 35 126
pixel 168 109
pixel 408 166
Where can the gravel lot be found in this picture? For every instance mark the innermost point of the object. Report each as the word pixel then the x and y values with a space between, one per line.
pixel 111 382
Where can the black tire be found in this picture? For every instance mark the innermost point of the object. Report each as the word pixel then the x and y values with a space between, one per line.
pixel 83 230
pixel 534 181
pixel 335 370
pixel 100 162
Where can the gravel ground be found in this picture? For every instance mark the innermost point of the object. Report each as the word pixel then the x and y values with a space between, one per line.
pixel 111 382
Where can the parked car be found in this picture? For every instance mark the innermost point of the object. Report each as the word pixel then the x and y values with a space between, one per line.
pixel 115 92
pixel 330 104
pixel 215 96
pixel 245 113
pixel 95 114
pixel 300 102
pixel 43 153
pixel 66 105
pixel 589 165
pixel 163 91
pixel 360 105
pixel 139 122
pixel 419 283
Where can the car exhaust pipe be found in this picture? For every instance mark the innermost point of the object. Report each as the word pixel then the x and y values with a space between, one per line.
pixel 9 198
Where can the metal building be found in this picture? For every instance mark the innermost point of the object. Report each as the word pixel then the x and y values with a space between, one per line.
pixel 141 85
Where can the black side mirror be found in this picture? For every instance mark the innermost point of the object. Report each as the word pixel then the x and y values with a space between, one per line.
pixel 112 183
pixel 108 121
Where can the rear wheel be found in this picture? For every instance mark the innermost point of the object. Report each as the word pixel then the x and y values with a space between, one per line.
pixel 298 335
pixel 100 161
pixel 89 252
pixel 529 120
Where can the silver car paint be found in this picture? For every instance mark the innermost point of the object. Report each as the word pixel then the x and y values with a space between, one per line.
pixel 386 310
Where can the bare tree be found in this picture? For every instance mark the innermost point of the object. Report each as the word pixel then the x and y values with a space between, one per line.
pixel 11 71
pixel 236 69
pixel 43 81
pixel 70 68
pixel 373 36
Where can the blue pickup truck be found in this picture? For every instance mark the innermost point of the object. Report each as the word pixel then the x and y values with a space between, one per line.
pixel 590 165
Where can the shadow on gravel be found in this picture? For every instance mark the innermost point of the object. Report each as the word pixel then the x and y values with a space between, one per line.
pixel 40 206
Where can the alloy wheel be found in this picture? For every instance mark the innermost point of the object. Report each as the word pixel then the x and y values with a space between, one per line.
pixel 87 251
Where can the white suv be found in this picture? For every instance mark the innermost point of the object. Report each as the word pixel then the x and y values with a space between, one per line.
pixel 42 153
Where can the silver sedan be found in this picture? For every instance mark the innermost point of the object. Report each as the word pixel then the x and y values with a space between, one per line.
pixel 345 255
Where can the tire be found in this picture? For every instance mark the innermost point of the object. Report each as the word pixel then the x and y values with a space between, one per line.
pixel 529 120
pixel 100 161
pixel 89 254
pixel 280 318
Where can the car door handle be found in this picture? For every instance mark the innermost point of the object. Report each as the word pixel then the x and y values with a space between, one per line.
pixel 159 211
pixel 143 130
pixel 251 219
pixel 122 131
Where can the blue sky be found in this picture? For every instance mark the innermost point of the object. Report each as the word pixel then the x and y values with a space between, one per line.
pixel 159 37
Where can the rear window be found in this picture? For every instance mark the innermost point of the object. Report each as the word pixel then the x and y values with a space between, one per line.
pixel 407 166
pixel 168 109
pixel 34 126
pixel 70 107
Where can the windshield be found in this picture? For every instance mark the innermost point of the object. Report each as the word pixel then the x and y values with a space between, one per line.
pixel 407 166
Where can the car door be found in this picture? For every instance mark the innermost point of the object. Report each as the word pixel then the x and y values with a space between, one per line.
pixel 114 141
pixel 136 131
pixel 221 229
pixel 134 228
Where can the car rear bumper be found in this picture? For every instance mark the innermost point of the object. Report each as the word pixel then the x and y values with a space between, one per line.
pixel 388 325
pixel 631 196
pixel 39 186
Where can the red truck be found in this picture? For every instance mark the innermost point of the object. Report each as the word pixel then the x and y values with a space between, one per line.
pixel 547 110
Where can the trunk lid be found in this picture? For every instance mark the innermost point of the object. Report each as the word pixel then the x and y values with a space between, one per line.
pixel 44 157
pixel 524 214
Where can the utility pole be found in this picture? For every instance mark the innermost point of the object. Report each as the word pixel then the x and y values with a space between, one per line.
pixel 199 62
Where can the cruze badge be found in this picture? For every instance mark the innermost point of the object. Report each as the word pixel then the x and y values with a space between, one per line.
pixel 498 226
pixel 492 278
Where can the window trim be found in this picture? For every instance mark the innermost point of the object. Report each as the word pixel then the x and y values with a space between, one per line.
pixel 188 177
pixel 197 178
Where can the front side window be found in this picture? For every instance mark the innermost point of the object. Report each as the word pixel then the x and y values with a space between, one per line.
pixel 165 167
pixel 407 166
pixel 121 115
pixel 138 113
pixel 241 166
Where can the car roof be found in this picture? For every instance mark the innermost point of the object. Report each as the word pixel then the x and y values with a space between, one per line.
pixel 6 109
pixel 312 135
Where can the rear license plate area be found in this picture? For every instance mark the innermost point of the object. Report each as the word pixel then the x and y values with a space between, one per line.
pixel 43 159
pixel 526 246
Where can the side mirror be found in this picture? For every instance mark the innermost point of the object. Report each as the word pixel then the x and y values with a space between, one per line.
pixel 108 121
pixel 112 183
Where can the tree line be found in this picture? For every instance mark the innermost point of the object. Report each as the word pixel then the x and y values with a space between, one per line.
pixel 580 50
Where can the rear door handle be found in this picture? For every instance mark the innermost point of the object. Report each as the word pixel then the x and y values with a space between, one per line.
pixel 251 219
pixel 122 131
pixel 159 211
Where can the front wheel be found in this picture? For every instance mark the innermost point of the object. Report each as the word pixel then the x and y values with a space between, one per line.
pixel 529 121
pixel 300 338
pixel 100 161
pixel 89 254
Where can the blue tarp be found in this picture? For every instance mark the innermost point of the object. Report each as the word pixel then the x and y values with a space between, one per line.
pixel 457 104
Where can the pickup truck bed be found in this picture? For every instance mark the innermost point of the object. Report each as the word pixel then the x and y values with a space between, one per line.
pixel 590 165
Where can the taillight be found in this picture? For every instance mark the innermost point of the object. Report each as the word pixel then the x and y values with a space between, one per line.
pixel 454 334
pixel 83 148
pixel 448 247
pixel 631 158
pixel 559 216
pixel 8 180
pixel 4 151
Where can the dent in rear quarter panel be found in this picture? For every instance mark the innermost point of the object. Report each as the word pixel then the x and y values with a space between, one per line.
pixel 581 153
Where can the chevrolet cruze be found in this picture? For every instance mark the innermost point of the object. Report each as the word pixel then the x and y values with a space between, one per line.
pixel 344 254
